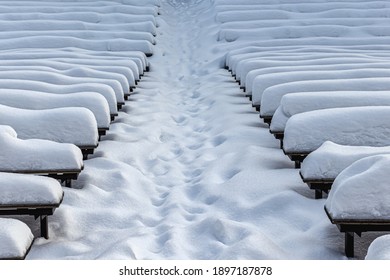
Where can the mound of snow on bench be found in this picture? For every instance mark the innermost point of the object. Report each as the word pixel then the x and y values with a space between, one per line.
pixel 361 191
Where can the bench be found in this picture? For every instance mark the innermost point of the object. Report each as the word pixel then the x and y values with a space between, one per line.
pixel 321 167
pixel 300 102
pixel 379 249
pixel 40 157
pixel 272 96
pixel 37 196
pixel 353 126
pixel 16 239
pixel 36 100
pixel 359 199
pixel 72 125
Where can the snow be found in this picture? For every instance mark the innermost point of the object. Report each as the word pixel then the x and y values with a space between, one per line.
pixel 36 100
pixel 360 192
pixel 379 249
pixel 330 159
pixel 18 155
pixel 187 169
pixel 295 103
pixel 99 89
pixel 15 241
pixel 271 96
pixel 22 189
pixel 73 125
pixel 354 126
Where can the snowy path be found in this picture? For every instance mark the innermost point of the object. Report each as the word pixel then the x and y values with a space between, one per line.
pixel 188 171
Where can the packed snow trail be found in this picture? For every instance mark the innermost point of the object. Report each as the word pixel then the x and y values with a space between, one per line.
pixel 187 170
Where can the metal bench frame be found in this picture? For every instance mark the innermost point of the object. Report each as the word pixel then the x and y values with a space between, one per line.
pixel 41 211
pixel 350 227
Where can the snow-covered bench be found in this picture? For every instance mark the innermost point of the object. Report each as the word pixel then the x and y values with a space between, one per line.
pixel 16 239
pixel 85 16
pixel 72 125
pixel 320 168
pixel 379 249
pixel 272 96
pixel 22 194
pixel 255 78
pixel 62 79
pixel 300 102
pixel 359 200
pixel 36 100
pixel 55 42
pixel 39 157
pixel 122 74
pixel 354 126
pixel 97 89
pixel 136 60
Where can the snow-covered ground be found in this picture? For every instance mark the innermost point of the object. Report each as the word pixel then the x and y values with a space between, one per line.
pixel 188 170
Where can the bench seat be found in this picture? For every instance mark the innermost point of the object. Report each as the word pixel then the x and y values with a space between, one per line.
pixel 359 199
pixel 16 239
pixel 355 226
pixel 354 126
pixel 40 157
pixel 321 167
pixel 22 194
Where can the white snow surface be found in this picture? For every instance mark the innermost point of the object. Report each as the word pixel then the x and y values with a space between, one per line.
pixel 330 159
pixel 15 241
pixel 23 189
pixel 36 155
pixel 187 169
pixel 73 125
pixel 300 102
pixel 355 126
pixel 379 249
pixel 36 100
pixel 361 191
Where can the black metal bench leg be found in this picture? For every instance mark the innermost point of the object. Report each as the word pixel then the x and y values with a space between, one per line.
pixel 349 244
pixel 297 164
pixel 44 227
pixel 68 183
pixel 318 194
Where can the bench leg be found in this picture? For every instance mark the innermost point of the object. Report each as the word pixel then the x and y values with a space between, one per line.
pixel 318 194
pixel 349 244
pixel 44 227
pixel 297 164
pixel 68 183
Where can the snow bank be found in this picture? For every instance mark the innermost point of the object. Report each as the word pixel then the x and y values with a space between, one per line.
pixel 361 191
pixel 15 239
pixel 300 102
pixel 35 100
pixel 66 125
pixel 354 126
pixel 22 189
pixel 379 249
pixel 330 159
pixel 272 96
